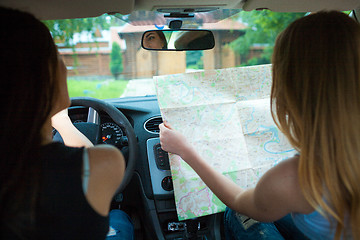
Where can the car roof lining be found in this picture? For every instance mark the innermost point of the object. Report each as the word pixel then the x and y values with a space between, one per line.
pixel 66 9
pixel 301 6
pixel 62 9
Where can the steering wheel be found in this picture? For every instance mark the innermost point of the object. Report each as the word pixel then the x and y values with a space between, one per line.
pixel 91 129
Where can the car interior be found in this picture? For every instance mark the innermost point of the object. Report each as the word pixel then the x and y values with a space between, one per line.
pixel 129 119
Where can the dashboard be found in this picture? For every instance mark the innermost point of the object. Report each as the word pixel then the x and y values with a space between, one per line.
pixel 143 111
pixel 111 133
pixel 149 196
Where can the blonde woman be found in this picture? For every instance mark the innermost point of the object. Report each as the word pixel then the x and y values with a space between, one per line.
pixel 315 100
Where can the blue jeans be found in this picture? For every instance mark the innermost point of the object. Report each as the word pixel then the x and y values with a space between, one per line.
pixel 238 227
pixel 121 226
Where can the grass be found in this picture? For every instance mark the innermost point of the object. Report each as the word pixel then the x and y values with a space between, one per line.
pixel 100 89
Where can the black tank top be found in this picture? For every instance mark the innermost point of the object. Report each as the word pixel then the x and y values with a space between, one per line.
pixel 63 211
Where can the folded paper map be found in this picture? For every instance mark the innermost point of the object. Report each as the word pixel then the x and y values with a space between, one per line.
pixel 225 115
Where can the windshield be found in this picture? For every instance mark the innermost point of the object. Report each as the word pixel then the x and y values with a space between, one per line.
pixel 105 60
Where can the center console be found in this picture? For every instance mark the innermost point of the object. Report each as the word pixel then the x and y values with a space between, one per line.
pixel 159 166
pixel 207 227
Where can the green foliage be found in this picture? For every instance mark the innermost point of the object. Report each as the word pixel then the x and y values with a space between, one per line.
pixel 256 61
pixel 263 27
pixel 267 53
pixel 64 29
pixel 96 88
pixel 75 62
pixel 194 59
pixel 116 66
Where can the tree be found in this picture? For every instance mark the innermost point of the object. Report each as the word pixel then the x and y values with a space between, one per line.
pixel 263 27
pixel 64 29
pixel 116 66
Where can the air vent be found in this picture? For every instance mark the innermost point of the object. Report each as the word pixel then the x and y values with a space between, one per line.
pixel 152 124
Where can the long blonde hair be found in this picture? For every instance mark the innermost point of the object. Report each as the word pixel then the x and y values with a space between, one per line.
pixel 316 103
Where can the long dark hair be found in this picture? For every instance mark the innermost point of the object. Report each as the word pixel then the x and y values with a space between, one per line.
pixel 28 63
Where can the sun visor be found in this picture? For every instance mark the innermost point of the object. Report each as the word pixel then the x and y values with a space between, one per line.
pixel 67 9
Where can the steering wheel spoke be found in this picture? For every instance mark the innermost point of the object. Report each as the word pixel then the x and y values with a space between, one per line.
pixel 93 116
pixel 130 147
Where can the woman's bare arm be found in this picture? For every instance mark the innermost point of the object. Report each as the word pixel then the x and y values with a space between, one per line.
pixel 277 193
pixel 107 169
pixel 71 135
pixel 107 164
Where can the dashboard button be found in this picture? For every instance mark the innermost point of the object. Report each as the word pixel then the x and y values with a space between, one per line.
pixel 161 158
pixel 167 183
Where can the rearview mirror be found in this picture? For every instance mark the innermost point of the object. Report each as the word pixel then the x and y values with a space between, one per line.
pixel 178 40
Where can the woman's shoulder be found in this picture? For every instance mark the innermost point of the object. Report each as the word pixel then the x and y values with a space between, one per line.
pixel 281 184
pixel 111 152
pixel 107 168
pixel 284 176
pixel 106 159
pixel 289 165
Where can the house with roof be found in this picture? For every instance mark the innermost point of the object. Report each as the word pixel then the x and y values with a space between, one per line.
pixel 90 56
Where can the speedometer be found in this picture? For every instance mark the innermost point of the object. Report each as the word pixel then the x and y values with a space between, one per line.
pixel 111 133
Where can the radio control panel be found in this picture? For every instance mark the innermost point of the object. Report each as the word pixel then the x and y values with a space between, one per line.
pixel 159 166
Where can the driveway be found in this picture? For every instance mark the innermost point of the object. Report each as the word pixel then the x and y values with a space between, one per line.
pixel 139 87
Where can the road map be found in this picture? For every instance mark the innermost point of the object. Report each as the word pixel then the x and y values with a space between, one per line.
pixel 225 115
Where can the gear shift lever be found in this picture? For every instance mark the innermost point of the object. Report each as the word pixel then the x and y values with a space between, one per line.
pixel 191 229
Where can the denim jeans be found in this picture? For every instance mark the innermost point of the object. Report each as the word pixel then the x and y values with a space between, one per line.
pixel 121 226
pixel 238 227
